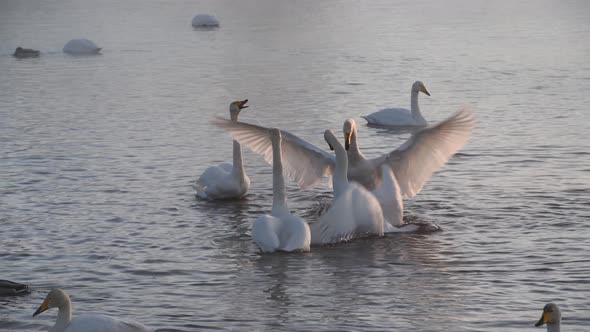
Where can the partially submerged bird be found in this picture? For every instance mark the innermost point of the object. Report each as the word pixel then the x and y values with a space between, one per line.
pixel 81 47
pixel 8 288
pixel 281 230
pixel 25 53
pixel 205 21
pixel 226 180
pixel 552 317
pixel 401 117
pixel 58 298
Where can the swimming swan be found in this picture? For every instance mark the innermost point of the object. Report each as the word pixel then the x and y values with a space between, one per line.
pixel 205 21
pixel 57 298
pixel 424 153
pixel 355 212
pixel 401 116
pixel 226 180
pixel 280 230
pixel 552 317
pixel 81 47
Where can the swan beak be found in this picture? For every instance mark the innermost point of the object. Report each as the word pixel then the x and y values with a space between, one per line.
pixel 347 137
pixel 331 147
pixel 242 104
pixel 423 89
pixel 544 319
pixel 44 306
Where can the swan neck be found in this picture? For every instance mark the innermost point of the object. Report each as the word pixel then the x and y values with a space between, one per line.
pixel 64 315
pixel 340 179
pixel 279 196
pixel 554 327
pixel 238 165
pixel 414 106
pixel 353 151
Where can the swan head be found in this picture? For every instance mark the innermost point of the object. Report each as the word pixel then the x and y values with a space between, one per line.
pixel 55 299
pixel 348 129
pixel 330 138
pixel 551 315
pixel 419 87
pixel 275 134
pixel 236 106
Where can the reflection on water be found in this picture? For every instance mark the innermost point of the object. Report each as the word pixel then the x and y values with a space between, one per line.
pixel 98 156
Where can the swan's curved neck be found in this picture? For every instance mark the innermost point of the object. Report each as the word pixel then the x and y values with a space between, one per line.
pixel 238 169
pixel 354 153
pixel 279 194
pixel 340 179
pixel 64 315
pixel 414 106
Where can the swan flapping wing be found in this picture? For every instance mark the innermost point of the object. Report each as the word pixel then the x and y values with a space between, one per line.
pixel 426 151
pixel 303 162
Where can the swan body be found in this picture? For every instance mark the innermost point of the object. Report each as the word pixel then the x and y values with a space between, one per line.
pixel 12 288
pixel 412 163
pixel 552 317
pixel 400 116
pixel 281 230
pixel 390 198
pixel 81 47
pixel 22 53
pixel 58 298
pixel 226 180
pixel 205 21
pixel 355 212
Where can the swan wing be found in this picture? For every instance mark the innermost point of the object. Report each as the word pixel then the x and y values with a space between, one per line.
pixel 303 162
pixel 390 198
pixel 426 151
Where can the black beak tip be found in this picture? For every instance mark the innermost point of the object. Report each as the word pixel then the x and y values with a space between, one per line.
pixel 539 323
pixel 346 146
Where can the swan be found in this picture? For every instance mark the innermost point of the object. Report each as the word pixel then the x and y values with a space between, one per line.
pixel 226 180
pixel 81 47
pixel 280 230
pixel 58 298
pixel 401 116
pixel 354 212
pixel 12 288
pixel 552 317
pixel 205 21
pixel 25 53
pixel 412 163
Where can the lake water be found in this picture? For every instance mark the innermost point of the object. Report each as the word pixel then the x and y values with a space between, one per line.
pixel 98 154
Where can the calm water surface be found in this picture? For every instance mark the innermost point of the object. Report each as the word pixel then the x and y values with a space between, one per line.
pixel 98 154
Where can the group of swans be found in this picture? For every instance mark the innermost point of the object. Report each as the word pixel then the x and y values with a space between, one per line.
pixel 367 192
pixel 59 299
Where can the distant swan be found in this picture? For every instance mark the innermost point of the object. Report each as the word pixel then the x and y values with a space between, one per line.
pixel 226 180
pixel 413 163
pixel 401 116
pixel 281 230
pixel 57 298
pixel 205 21
pixel 25 53
pixel 552 317
pixel 354 212
pixel 81 47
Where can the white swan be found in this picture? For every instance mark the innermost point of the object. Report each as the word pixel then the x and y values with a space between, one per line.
pixel 401 116
pixel 57 298
pixel 354 212
pixel 226 180
pixel 81 47
pixel 205 21
pixel 424 153
pixel 552 317
pixel 280 230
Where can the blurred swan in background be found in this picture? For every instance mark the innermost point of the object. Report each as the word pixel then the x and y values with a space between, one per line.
pixel 81 47
pixel 226 180
pixel 205 21
pixel 401 116
pixel 281 230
